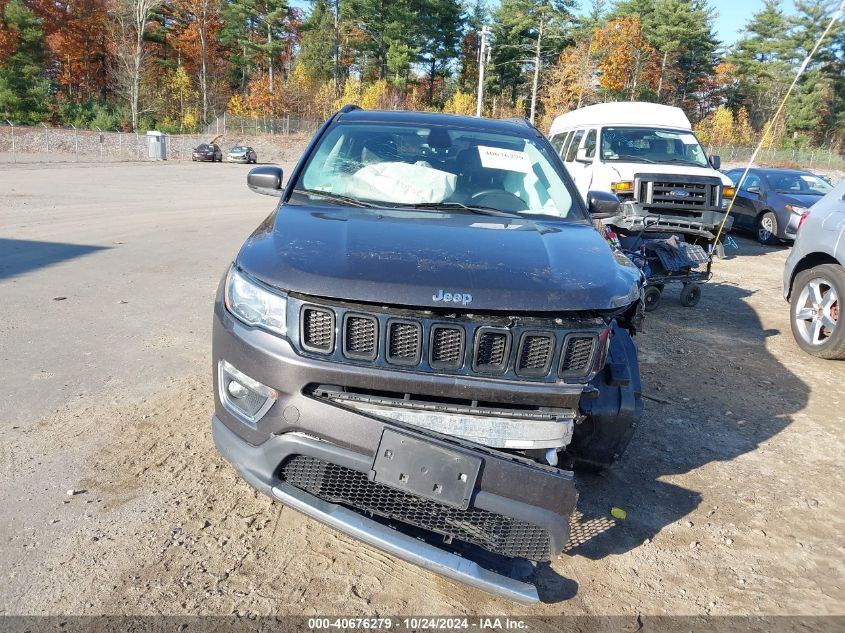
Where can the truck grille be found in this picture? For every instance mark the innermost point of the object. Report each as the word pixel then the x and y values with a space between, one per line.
pixel 494 532
pixel 687 196
pixel 523 351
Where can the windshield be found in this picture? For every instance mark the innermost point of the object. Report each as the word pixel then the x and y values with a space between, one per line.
pixel 799 184
pixel 238 148
pixel 203 148
pixel 434 167
pixel 651 145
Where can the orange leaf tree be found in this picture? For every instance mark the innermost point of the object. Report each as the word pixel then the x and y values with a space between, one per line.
pixel 628 65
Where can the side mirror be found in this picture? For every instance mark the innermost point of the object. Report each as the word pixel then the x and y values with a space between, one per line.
pixel 603 205
pixel 581 156
pixel 716 161
pixel 266 180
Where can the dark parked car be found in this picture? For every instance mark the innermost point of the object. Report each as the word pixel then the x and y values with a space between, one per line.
pixel 242 154
pixel 208 152
pixel 770 202
pixel 424 338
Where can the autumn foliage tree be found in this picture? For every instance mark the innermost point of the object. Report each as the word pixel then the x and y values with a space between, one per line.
pixel 628 65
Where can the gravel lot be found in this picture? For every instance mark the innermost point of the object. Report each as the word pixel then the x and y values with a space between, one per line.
pixel 733 484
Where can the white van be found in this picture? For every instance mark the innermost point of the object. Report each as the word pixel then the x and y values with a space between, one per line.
pixel 647 155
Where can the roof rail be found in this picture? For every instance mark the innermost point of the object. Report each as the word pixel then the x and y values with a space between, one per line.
pixel 349 107
pixel 521 120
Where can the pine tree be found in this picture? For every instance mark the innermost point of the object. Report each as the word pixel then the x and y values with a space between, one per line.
pixel 441 25
pixel 317 47
pixel 24 87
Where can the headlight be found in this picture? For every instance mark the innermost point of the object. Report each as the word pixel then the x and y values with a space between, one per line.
pixel 254 305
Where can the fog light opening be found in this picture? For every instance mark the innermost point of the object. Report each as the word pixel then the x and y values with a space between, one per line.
pixel 237 390
pixel 242 396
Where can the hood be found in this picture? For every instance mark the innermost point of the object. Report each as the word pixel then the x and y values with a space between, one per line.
pixel 800 200
pixel 415 258
pixel 626 171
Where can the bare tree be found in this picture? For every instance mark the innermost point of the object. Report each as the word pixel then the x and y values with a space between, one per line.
pixel 129 22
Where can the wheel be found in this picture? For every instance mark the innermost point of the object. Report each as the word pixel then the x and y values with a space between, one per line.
pixel 817 295
pixel 767 228
pixel 690 295
pixel 651 298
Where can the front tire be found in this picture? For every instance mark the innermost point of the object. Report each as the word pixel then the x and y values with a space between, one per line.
pixel 815 314
pixel 767 228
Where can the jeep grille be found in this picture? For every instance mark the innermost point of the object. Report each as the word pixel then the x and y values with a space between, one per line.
pixel 469 345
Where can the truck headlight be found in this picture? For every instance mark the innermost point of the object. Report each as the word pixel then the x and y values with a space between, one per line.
pixel 255 305
pixel 623 186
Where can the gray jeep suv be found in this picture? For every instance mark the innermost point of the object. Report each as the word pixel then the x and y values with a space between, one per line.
pixel 424 339
pixel 814 277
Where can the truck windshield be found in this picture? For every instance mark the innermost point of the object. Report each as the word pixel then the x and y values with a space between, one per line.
pixel 651 145
pixel 405 166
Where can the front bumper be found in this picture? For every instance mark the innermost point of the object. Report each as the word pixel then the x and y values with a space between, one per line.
pixel 299 425
pixel 203 158
pixel 256 464
pixel 237 159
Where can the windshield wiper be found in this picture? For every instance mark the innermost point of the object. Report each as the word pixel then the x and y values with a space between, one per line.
pixel 681 161
pixel 636 159
pixel 337 197
pixel 448 206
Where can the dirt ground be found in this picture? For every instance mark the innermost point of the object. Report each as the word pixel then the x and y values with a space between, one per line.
pixel 733 484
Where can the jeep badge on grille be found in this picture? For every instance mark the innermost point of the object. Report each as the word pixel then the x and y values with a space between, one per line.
pixel 464 298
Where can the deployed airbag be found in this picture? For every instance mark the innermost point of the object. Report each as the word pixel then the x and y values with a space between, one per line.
pixel 401 183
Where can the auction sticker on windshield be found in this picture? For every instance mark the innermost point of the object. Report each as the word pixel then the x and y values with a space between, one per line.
pixel 506 159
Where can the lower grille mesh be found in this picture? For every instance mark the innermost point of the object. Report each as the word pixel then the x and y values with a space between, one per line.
pixel 494 532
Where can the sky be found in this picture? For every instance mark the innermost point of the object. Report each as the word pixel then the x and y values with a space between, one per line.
pixel 733 14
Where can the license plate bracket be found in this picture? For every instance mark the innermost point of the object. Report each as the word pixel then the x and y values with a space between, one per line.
pixel 425 469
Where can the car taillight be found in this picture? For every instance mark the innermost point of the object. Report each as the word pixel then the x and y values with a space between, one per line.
pixel 801 220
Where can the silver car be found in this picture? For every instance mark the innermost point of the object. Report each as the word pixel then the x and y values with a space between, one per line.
pixel 242 154
pixel 814 277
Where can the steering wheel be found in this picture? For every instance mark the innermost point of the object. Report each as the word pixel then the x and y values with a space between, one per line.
pixel 499 199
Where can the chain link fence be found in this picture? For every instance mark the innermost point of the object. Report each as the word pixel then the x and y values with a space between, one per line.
pixel 43 144
pixel 257 126
pixel 788 158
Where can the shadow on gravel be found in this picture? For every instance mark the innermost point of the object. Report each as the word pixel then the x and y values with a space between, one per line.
pixel 747 246
pixel 724 395
pixel 22 256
